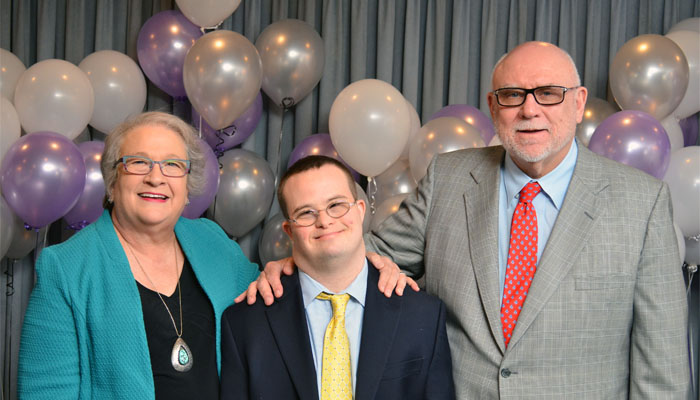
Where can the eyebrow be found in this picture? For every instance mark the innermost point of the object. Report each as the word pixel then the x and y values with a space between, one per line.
pixel 336 197
pixel 170 156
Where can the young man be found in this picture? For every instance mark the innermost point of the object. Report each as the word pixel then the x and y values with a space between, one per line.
pixel 328 336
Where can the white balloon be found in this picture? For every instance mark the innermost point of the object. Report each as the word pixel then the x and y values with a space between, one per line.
pixel 207 13
pixel 415 127
pixel 674 132
pixel 495 141
pixel 688 24
pixel 56 96
pixel 681 242
pixel 397 179
pixel 11 68
pixel 10 129
pixel 689 42
pixel 119 87
pixel 683 178
pixel 387 208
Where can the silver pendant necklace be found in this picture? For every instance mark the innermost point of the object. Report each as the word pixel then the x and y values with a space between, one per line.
pixel 181 355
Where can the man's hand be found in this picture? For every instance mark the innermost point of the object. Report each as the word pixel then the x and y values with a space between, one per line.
pixel 268 283
pixel 390 276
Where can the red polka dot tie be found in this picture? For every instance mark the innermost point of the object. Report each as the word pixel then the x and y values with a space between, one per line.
pixel 522 258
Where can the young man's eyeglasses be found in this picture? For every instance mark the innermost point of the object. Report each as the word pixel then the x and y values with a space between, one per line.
pixel 308 216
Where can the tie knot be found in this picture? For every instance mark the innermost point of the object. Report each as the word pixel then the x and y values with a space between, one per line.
pixel 338 302
pixel 529 192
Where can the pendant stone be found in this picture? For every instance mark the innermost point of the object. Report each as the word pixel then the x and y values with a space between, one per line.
pixel 181 356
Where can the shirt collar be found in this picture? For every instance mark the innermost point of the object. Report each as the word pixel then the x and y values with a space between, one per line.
pixel 310 288
pixel 554 184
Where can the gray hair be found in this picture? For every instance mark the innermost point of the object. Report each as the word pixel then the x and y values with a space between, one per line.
pixel 196 178
pixel 571 61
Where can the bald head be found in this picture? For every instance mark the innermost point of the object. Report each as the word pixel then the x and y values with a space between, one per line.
pixel 537 54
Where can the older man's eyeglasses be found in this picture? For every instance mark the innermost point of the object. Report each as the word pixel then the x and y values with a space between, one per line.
pixel 544 95
pixel 137 165
pixel 308 216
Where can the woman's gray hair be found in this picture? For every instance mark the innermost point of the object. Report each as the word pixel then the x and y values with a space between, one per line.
pixel 113 143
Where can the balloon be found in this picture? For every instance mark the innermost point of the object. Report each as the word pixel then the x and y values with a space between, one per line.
pixel 681 242
pixel 119 85
pixel 361 195
pixel 42 177
pixel 23 240
pixel 7 228
pixel 233 135
pixel 369 123
pixel 471 115
pixel 441 135
pixel 274 244
pixel 222 75
pixel 246 190
pixel 199 203
pixel 319 144
pixel 413 131
pixel 387 208
pixel 293 56
pixel 633 138
pixel 207 13
pixel 11 68
pixel 683 178
pixel 395 180
pixel 689 127
pixel 495 141
pixel 689 24
pixel 595 112
pixel 163 42
pixel 649 73
pixel 89 206
pixel 54 95
pixel 688 42
pixel 692 251
pixel 10 129
pixel 673 130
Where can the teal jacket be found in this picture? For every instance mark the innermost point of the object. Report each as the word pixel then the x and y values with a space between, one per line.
pixel 84 336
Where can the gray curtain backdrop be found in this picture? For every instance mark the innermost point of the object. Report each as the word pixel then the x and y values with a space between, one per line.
pixel 435 52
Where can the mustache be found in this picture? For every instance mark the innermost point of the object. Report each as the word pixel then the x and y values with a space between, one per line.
pixel 530 126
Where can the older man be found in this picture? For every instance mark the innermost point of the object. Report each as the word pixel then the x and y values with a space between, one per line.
pixel 329 337
pixel 558 267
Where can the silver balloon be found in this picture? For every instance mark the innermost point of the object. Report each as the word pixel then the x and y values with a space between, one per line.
pixel 368 212
pixel 688 24
pixel 395 180
pixel 246 190
pixel 293 56
pixel 10 129
pixel 222 76
pixel 274 244
pixel 692 251
pixel 596 111
pixel 11 67
pixel 441 135
pixel 387 208
pixel 681 243
pixel 7 226
pixel 649 73
pixel 23 240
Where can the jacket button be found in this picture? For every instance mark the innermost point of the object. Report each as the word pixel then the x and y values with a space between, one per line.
pixel 505 372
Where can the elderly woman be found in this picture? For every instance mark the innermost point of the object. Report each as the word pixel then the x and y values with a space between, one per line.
pixel 130 306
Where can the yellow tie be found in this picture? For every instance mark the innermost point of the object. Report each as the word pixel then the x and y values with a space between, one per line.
pixel 336 375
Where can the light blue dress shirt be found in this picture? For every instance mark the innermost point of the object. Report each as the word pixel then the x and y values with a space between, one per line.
pixel 320 312
pixel 547 203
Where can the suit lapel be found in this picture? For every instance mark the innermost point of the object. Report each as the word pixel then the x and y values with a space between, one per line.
pixel 570 232
pixel 481 202
pixel 381 317
pixel 287 321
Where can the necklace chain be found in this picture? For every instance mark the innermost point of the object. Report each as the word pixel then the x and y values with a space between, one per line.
pixel 179 293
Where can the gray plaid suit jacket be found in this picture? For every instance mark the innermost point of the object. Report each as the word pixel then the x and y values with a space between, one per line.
pixel 606 314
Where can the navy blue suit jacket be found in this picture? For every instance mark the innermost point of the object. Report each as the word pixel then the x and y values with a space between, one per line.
pixel 404 354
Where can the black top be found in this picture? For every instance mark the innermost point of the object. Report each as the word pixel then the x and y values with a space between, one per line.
pixel 202 381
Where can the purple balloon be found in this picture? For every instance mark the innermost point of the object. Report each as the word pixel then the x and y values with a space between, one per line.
pixel 689 127
pixel 237 133
pixel 42 176
pixel 199 203
pixel 89 205
pixel 472 115
pixel 633 138
pixel 162 45
pixel 318 145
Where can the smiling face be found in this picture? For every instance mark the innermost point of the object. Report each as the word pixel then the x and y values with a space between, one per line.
pixel 329 239
pixel 142 202
pixel 537 137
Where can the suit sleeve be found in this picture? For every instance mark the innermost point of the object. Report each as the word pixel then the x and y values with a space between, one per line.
pixel 234 377
pixel 48 356
pixel 401 237
pixel 440 384
pixel 658 349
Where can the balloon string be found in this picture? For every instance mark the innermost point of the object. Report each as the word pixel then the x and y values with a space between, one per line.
pixel 7 378
pixel 371 191
pixel 279 147
pixel 219 149
pixel 691 269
